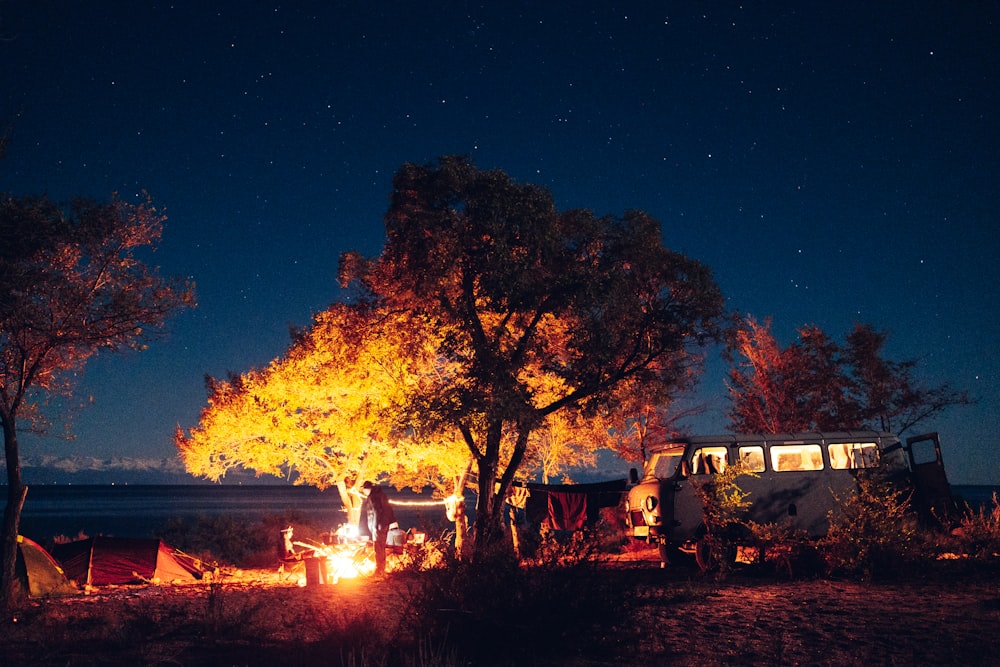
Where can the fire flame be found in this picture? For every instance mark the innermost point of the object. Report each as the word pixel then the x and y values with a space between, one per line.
pixel 350 558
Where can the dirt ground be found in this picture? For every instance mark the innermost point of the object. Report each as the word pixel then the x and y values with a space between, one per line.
pixel 950 616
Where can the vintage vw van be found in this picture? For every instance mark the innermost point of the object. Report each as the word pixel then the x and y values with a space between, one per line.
pixel 796 479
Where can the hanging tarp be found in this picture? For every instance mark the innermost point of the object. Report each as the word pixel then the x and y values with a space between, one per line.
pixel 567 506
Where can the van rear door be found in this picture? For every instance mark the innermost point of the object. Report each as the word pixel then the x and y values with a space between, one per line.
pixel 931 491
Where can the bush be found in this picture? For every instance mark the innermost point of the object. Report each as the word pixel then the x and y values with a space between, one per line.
pixel 497 611
pixel 784 549
pixel 725 506
pixel 978 533
pixel 873 532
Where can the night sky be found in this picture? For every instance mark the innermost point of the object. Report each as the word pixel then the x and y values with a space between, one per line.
pixel 832 163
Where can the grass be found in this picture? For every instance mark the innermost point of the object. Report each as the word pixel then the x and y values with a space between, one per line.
pixel 545 613
pixel 564 605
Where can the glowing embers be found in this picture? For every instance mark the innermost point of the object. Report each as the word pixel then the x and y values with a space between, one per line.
pixel 331 563
pixel 350 561
pixel 347 556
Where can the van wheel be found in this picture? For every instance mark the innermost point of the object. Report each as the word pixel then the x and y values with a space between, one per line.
pixel 673 555
pixel 703 555
pixel 709 553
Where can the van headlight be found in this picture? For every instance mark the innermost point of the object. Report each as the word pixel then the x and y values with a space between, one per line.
pixel 650 503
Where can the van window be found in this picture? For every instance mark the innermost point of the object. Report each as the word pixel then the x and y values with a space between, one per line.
pixel 796 457
pixel 708 460
pixel 752 458
pixel 853 455
pixel 664 464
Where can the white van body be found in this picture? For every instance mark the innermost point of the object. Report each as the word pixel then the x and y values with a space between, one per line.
pixel 796 479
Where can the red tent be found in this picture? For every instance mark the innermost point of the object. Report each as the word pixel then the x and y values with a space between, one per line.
pixel 100 561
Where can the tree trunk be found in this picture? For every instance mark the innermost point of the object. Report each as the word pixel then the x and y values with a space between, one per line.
pixel 351 501
pixel 460 518
pixel 489 526
pixel 11 592
pixel 515 537
pixel 486 526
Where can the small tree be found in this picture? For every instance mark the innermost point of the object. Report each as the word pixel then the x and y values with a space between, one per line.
pixel 565 440
pixel 815 384
pixel 889 395
pixel 762 399
pixel 72 283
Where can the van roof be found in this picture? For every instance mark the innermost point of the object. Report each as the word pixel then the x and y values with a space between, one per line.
pixel 879 437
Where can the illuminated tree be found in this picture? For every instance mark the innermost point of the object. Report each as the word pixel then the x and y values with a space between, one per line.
pixel 331 411
pixel 761 400
pixel 72 283
pixel 815 384
pixel 643 415
pixel 566 439
pixel 799 388
pixel 519 289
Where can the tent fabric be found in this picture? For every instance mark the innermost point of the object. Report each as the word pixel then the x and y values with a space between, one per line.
pixel 103 561
pixel 39 572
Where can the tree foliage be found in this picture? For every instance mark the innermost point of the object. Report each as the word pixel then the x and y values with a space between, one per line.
pixel 520 291
pixel 331 411
pixel 816 384
pixel 644 415
pixel 72 283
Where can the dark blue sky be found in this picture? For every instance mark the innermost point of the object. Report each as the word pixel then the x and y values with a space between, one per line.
pixel 833 163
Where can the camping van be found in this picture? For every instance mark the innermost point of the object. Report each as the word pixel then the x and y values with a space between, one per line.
pixel 795 479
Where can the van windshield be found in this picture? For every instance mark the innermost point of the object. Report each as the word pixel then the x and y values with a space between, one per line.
pixel 663 463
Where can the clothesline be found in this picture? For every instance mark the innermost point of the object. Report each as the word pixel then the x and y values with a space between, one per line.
pixel 417 503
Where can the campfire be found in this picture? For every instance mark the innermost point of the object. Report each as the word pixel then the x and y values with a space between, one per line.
pixel 344 555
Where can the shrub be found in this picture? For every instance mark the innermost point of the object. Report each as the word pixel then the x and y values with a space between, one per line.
pixel 497 611
pixel 873 532
pixel 978 532
pixel 724 508
pixel 784 548
pixel 429 555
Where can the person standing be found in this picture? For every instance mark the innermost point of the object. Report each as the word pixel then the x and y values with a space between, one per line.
pixel 377 517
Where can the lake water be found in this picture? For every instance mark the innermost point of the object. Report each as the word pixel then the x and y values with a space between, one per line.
pixel 140 511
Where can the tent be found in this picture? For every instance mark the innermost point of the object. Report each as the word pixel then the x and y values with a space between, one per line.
pixel 101 561
pixel 38 572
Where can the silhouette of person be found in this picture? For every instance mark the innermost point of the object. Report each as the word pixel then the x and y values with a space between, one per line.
pixel 377 517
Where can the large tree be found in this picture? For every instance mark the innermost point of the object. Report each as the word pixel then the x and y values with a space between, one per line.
pixel 73 282
pixel 816 384
pixel 521 289
pixel 331 410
